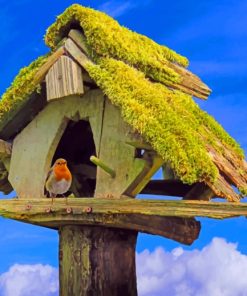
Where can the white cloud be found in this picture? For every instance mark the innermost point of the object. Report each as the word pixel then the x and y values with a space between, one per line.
pixel 29 280
pixel 217 270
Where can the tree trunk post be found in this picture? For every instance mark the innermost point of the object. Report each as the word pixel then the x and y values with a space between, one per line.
pixel 97 261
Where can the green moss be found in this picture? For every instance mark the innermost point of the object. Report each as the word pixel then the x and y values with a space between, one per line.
pixel 151 109
pixel 21 88
pixel 243 191
pixel 169 120
pixel 108 39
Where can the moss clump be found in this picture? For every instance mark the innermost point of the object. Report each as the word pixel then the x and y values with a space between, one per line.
pixel 108 39
pixel 169 120
pixel 21 88
pixel 152 110
pixel 243 191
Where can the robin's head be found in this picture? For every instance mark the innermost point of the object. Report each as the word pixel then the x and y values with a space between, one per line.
pixel 60 163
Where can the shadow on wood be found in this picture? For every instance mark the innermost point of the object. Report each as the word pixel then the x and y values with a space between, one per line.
pixel 97 261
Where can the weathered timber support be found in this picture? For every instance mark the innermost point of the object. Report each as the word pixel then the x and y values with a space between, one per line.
pixel 97 261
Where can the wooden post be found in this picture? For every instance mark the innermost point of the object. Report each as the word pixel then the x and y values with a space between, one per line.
pixel 97 261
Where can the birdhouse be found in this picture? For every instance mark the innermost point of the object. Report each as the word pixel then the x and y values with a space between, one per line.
pixel 118 107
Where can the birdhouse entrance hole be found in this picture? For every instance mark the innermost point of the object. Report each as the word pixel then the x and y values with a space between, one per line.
pixel 76 146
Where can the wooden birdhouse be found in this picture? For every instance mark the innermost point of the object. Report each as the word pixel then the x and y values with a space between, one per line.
pixel 118 107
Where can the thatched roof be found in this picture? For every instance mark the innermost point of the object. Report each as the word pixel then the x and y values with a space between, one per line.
pixel 153 88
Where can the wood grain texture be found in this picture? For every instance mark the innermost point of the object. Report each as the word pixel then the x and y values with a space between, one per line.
pixel 232 171
pixel 40 75
pixel 190 83
pixel 35 146
pixel 76 53
pixel 64 78
pixel 120 156
pixel 16 208
pixel 79 40
pixel 183 230
pixel 200 191
pixel 97 261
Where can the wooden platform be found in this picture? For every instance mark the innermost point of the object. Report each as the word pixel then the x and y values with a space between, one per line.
pixel 162 217
pixel 29 209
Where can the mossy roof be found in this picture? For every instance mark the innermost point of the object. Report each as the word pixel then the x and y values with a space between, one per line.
pixel 138 75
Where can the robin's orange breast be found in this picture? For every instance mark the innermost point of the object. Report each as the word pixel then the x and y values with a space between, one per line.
pixel 62 173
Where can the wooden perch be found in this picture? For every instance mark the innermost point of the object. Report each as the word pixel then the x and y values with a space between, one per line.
pixel 16 208
pixel 103 166
pixel 138 215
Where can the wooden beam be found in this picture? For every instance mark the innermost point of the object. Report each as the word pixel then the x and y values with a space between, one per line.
pixel 102 212
pixel 79 40
pixel 21 116
pixel 139 145
pixel 166 187
pixel 76 53
pixel 142 180
pixel 200 191
pixel 190 83
pixel 16 208
pixel 40 75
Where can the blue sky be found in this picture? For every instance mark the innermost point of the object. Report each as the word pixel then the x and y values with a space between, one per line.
pixel 212 34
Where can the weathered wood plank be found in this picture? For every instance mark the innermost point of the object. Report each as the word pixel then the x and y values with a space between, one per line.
pixel 183 230
pixel 190 83
pixel 37 143
pixel 200 191
pixel 97 261
pixel 16 208
pixel 166 188
pixel 21 116
pixel 63 79
pixel 76 53
pixel 117 154
pixel 155 163
pixel 40 75
pixel 79 40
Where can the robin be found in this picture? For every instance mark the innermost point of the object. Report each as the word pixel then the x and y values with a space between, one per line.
pixel 59 178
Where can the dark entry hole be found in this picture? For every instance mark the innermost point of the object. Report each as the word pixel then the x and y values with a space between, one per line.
pixel 76 146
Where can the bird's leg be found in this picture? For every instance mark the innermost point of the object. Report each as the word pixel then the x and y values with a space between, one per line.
pixel 66 199
pixel 52 197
